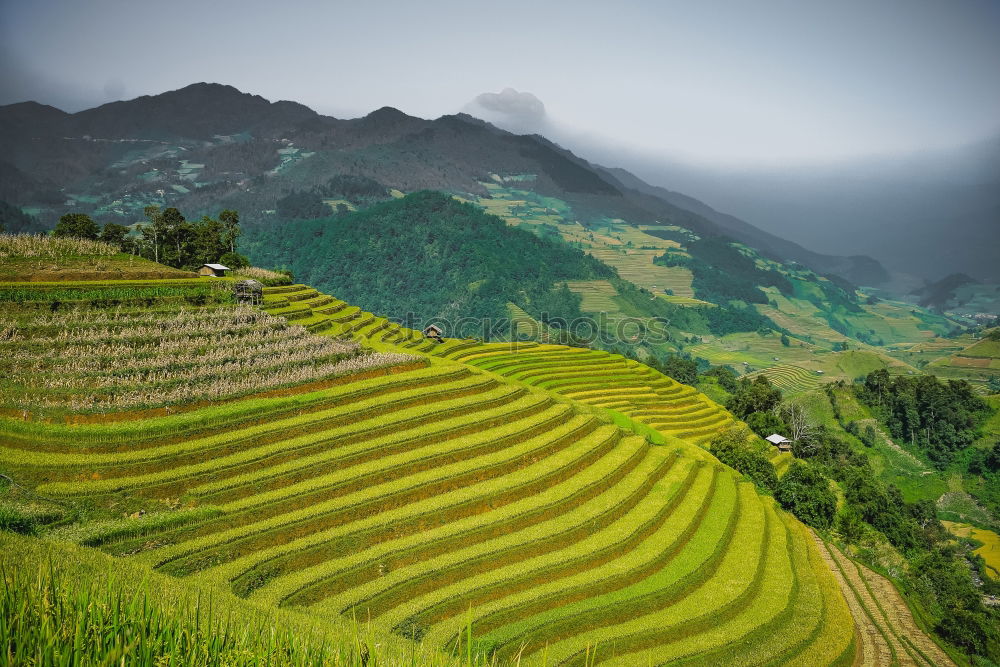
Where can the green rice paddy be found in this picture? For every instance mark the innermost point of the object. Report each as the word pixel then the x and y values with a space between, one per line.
pixel 519 501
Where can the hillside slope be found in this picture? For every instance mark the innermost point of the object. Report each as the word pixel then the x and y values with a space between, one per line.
pixel 413 490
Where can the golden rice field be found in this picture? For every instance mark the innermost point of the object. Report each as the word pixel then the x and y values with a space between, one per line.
pixel 637 266
pixel 886 628
pixel 790 378
pixel 990 549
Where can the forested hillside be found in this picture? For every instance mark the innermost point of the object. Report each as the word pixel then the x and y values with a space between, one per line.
pixel 430 256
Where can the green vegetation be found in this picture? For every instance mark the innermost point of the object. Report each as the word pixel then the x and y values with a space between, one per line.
pixel 15 221
pixel 66 605
pixel 441 251
pixel 733 447
pixel 723 273
pixel 503 493
pixel 939 419
pixel 806 493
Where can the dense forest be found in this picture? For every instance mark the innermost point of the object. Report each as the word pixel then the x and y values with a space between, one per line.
pixel 429 257
pixel 15 221
pixel 309 204
pixel 939 418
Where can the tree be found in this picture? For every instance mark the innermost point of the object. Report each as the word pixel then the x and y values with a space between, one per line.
pixel 850 525
pixel 732 448
pixel 766 423
pixel 234 260
pixel 114 234
pixel 77 225
pixel 725 376
pixel 806 493
pixel 785 341
pixel 155 231
pixel 757 396
pixel 796 420
pixel 208 244
pixel 230 220
pixel 680 369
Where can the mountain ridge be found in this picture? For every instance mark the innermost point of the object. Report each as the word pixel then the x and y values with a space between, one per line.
pixel 452 153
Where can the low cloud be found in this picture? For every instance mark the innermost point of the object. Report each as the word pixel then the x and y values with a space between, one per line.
pixel 510 109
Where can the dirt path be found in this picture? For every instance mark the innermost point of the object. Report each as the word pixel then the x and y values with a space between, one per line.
pixel 888 633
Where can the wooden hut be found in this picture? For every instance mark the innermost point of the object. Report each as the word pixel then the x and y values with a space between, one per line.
pixel 433 331
pixel 781 442
pixel 213 270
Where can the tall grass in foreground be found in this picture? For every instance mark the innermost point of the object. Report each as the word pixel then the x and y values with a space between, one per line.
pixel 40 245
pixel 53 616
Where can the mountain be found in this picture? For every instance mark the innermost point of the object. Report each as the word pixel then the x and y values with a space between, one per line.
pixel 927 214
pixel 209 143
pixel 859 269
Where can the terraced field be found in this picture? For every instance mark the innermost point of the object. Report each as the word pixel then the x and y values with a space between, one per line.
pixel 888 633
pixel 607 381
pixel 637 266
pixel 790 378
pixel 598 295
pixel 483 490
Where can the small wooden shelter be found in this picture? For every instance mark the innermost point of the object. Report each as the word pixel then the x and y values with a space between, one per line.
pixel 781 442
pixel 433 331
pixel 213 270
pixel 249 291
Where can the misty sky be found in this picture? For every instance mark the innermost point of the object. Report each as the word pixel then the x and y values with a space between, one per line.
pixel 745 81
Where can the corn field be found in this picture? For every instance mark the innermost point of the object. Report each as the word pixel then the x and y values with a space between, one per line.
pixel 39 245
pixel 110 360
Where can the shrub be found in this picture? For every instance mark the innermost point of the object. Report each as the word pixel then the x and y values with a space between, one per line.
pixel 731 447
pixel 806 493
pixel 234 260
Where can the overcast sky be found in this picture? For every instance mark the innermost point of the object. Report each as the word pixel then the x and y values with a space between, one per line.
pixel 744 81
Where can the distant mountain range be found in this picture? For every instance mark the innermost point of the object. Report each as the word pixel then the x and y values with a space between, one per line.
pixel 209 146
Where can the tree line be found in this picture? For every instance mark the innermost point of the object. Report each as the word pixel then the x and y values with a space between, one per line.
pixel 166 237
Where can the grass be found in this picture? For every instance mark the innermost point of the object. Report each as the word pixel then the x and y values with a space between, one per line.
pixel 66 605
pixel 25 257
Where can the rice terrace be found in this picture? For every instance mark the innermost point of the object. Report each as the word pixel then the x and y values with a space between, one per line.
pixel 687 354
pixel 302 463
